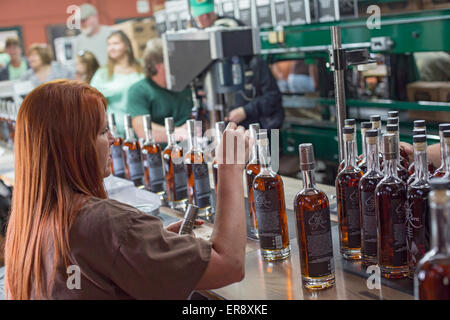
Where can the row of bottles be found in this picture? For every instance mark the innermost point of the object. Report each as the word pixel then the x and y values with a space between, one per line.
pixel 384 214
pixel 8 115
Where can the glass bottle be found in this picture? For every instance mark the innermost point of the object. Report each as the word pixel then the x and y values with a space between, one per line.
pixel 117 154
pixel 175 175
pixel 417 228
pixel 440 172
pixel 312 211
pixel 197 174
pixel 152 158
pixel 390 207
pixel 220 128
pixel 132 150
pixel 376 125
pixel 362 160
pixel 270 207
pixel 350 123
pixel 367 186
pixel 431 280
pixel 402 171
pixel 251 171
pixel 347 194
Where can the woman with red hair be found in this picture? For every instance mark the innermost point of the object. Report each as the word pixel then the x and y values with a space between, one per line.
pixel 62 219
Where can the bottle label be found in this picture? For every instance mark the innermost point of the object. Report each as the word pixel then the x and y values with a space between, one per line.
pixel 351 209
pixel 398 214
pixel 153 162
pixel 369 223
pixel 134 162
pixel 180 181
pixel 416 213
pixel 202 186
pixel 268 219
pixel 319 246
pixel 118 161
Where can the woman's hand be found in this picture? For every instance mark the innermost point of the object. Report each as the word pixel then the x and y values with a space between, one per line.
pixel 175 227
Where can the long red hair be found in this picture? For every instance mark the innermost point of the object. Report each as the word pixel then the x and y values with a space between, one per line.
pixel 56 170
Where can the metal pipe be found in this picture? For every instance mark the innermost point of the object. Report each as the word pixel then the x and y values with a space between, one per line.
pixel 339 85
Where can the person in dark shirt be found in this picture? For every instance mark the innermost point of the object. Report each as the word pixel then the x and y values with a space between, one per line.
pixel 260 101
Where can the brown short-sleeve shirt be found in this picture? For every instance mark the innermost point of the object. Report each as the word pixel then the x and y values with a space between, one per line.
pixel 123 253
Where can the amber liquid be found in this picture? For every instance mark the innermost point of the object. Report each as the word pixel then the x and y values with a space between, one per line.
pixel 118 143
pixel 391 212
pixel 313 224
pixel 198 195
pixel 347 184
pixel 173 161
pixel 367 188
pixel 134 170
pixel 433 279
pixel 150 150
pixel 251 172
pixel 271 211
pixel 417 226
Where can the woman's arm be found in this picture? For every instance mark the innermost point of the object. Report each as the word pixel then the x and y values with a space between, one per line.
pixel 227 262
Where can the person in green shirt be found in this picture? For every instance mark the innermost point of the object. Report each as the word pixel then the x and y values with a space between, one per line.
pixel 17 65
pixel 150 96
pixel 120 73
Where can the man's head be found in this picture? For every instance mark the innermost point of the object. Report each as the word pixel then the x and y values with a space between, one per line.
pixel 154 62
pixel 12 47
pixel 203 12
pixel 89 19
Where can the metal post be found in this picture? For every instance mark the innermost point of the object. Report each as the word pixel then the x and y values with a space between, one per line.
pixel 339 85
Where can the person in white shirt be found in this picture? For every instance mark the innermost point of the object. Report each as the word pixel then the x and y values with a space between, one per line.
pixel 93 35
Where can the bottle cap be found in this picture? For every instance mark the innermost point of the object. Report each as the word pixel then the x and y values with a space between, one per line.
pixel 444 126
pixel 375 118
pixel 419 138
pixel 306 152
pixel 372 137
pixel 419 123
pixel 127 121
pixel 372 133
pixel 393 114
pixel 350 122
pixel 439 184
pixel 392 120
pixel 348 130
pixel 392 128
pixel 390 146
pixel 366 125
pixel 262 134
pixel 419 131
pixel 446 134
pixel 168 123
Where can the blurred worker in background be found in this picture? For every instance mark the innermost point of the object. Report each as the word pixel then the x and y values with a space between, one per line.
pixel 17 65
pixel 150 96
pixel 260 101
pixel 120 73
pixel 93 35
pixel 86 66
pixel 303 77
pixel 43 69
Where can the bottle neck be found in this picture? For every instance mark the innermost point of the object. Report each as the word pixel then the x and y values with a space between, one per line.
pixel 309 181
pixel 447 158
pixel 440 222
pixel 171 139
pixel 129 133
pixel 254 154
pixel 373 163
pixel 420 163
pixel 350 155
pixel 390 167
pixel 363 143
pixel 264 157
pixel 148 135
pixel 193 144
pixel 114 131
pixel 443 151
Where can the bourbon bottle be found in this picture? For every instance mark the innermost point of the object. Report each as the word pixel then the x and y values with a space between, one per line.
pixel 252 170
pixel 440 172
pixel 175 175
pixel 402 171
pixel 367 187
pixel 390 206
pixel 132 150
pixel 312 212
pixel 347 194
pixel 362 160
pixel 152 158
pixel 431 280
pixel 270 207
pixel 197 174
pixel 117 154
pixel 220 128
pixel 417 228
